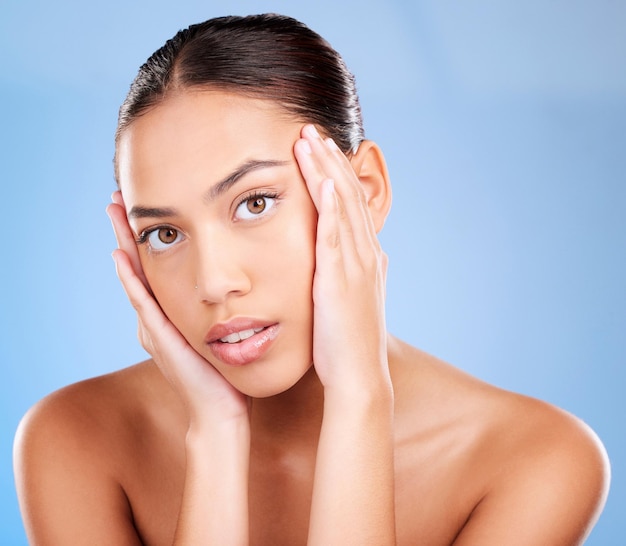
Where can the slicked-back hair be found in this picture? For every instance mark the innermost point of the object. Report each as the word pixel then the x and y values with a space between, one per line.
pixel 266 56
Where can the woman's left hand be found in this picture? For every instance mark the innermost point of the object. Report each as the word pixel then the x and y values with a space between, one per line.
pixel 349 334
pixel 353 489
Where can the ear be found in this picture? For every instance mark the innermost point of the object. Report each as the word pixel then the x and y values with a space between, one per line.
pixel 369 165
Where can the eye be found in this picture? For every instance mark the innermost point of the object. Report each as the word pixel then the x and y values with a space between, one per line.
pixel 161 238
pixel 254 206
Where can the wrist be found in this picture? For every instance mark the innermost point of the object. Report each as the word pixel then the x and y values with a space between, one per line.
pixel 354 400
pixel 224 432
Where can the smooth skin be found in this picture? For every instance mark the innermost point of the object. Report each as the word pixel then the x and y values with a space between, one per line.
pixel 339 433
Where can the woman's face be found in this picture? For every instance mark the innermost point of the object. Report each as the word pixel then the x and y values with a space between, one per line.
pixel 227 232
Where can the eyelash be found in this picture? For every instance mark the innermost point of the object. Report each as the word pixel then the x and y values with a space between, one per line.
pixel 258 194
pixel 145 234
pixel 144 237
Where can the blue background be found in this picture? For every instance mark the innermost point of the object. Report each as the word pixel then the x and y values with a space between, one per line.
pixel 504 126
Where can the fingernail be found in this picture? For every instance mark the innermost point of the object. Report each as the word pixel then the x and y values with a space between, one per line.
pixel 332 145
pixel 306 147
pixel 312 131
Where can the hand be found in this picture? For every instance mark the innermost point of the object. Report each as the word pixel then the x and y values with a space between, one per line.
pixel 349 334
pixel 353 490
pixel 203 390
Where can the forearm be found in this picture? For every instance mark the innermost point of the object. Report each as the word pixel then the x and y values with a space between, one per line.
pixel 214 508
pixel 353 494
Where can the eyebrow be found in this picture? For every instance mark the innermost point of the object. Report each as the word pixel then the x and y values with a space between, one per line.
pixel 212 193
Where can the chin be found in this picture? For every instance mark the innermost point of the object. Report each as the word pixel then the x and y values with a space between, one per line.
pixel 263 382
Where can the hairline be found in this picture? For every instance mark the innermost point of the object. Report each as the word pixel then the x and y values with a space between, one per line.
pixel 175 88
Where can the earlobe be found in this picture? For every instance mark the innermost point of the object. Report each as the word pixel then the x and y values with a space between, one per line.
pixel 370 166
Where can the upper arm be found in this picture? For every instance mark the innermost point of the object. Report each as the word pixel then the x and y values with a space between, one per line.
pixel 67 491
pixel 551 493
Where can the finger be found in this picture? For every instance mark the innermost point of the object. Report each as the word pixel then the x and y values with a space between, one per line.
pixel 357 234
pixel 351 193
pixel 316 170
pixel 125 238
pixel 328 233
pixel 311 172
pixel 117 198
pixel 335 229
pixel 330 160
pixel 142 301
pixel 158 335
pixel 150 316
pixel 334 164
pixel 330 271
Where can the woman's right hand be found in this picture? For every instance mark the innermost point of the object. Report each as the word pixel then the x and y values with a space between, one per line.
pixel 208 397
pixel 215 495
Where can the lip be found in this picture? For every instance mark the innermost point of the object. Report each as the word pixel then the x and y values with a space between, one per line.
pixel 235 325
pixel 245 351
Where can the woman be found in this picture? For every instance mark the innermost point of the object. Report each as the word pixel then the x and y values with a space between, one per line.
pixel 276 408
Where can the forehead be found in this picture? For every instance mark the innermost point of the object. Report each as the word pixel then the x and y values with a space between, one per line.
pixel 195 133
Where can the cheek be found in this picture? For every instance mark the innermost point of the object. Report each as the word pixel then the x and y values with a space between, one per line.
pixel 166 279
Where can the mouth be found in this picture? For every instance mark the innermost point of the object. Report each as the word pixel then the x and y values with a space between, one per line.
pixel 241 341
pixel 237 337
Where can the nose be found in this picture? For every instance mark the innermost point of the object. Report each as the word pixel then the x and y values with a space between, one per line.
pixel 220 271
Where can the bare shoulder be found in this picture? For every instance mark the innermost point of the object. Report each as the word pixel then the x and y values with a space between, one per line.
pixel 86 413
pixel 532 473
pixel 548 461
pixel 67 457
pixel 548 479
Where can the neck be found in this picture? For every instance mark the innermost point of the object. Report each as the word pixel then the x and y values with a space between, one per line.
pixel 293 418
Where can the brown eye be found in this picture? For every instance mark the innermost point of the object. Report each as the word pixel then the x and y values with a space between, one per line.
pixel 256 205
pixel 161 238
pixel 167 235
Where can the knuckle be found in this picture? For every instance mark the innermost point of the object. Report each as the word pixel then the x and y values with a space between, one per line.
pixel 144 339
pixel 332 239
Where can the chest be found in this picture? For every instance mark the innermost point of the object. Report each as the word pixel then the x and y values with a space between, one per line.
pixel 429 509
pixel 280 492
pixel 436 489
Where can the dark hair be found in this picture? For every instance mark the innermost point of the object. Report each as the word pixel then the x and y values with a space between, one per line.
pixel 265 56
